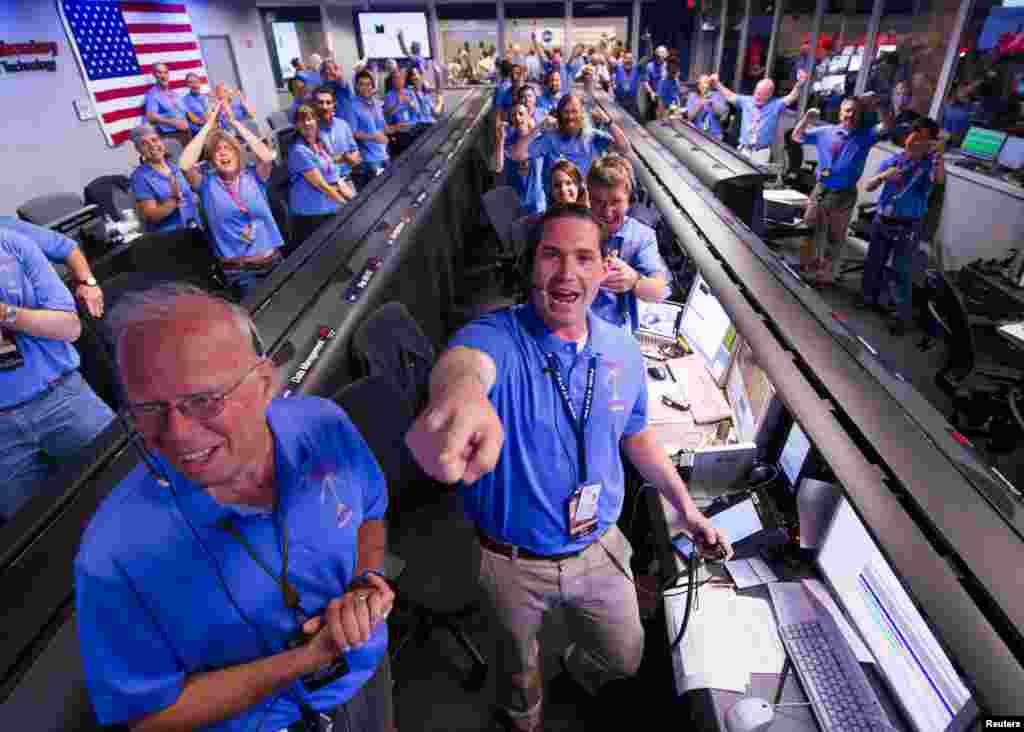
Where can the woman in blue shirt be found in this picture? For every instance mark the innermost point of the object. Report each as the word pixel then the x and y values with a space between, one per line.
pixel 163 192
pixel 706 108
pixel 244 234
pixel 548 101
pixel 315 190
pixel 399 107
pixel 369 130
pixel 906 179
pixel 523 175
pixel 428 105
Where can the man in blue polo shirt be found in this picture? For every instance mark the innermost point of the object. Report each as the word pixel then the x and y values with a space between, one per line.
pixel 570 141
pixel 627 83
pixel 548 101
pixel 529 408
pixel 225 580
pixel 336 133
pixel 636 270
pixel 164 109
pixel 759 114
pixel 46 408
pixel 413 53
pixel 196 104
pixel 842 153
pixel 335 81
pixel 653 73
pixel 369 129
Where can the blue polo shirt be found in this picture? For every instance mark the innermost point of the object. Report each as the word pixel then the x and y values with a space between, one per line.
pixel 312 79
pixel 580 149
pixel 506 99
pixel 638 247
pixel 423 103
pixel 626 82
pixel 669 92
pixel 841 153
pixel 197 104
pixel 338 138
pixel 415 61
pixel 956 118
pixel 151 606
pixel 368 118
pixel 404 112
pixel 164 104
pixel 708 118
pixel 228 224
pixel 524 500
pixel 294 108
pixel 148 184
pixel 769 121
pixel 529 185
pixel 655 72
pixel 55 245
pixel 303 198
pixel 28 280
pixel 547 102
pixel 906 196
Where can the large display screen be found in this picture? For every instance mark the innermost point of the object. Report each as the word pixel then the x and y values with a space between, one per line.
pixel 379 34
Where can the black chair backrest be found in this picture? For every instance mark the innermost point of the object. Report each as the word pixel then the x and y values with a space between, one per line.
pixel 42 210
pixel 112 193
pixel 182 254
pixel 949 306
pixel 503 208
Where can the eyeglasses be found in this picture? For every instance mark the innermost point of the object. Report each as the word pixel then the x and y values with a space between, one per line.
pixel 152 416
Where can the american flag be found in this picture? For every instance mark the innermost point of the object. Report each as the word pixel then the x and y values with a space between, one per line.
pixel 118 43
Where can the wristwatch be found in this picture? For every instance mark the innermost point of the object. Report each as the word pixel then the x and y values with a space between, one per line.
pixel 10 315
pixel 88 282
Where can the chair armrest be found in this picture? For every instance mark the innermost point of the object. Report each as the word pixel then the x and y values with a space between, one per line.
pixel 75 219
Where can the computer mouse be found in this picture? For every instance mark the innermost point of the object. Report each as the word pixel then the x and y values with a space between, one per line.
pixel 749 715
pixel 657 372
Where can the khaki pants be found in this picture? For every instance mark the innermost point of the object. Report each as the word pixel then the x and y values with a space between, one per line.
pixel 828 213
pixel 604 619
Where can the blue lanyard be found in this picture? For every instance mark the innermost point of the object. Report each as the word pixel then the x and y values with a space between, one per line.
pixel 579 424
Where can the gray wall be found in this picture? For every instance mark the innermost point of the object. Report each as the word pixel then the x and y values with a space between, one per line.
pixel 341 36
pixel 45 148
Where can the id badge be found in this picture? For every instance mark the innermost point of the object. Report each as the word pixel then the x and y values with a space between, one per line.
pixel 10 356
pixel 583 510
pixel 247 233
pixel 825 173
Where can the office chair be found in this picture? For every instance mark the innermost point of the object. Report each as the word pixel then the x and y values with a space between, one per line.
pixel 383 407
pixel 178 255
pixel 278 120
pixel 112 193
pixel 985 392
pixel 505 215
pixel 52 208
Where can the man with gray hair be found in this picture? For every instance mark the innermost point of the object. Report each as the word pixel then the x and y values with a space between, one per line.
pixel 311 75
pixel 231 581
pixel 163 191
pixel 759 122
pixel 164 109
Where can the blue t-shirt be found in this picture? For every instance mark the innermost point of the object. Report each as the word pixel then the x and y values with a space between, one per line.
pixel 199 105
pixel 580 149
pixel 906 196
pixel 164 104
pixel 338 138
pixel 152 609
pixel 55 245
pixel 402 112
pixel 368 118
pixel 296 103
pixel 28 280
pixel 423 103
pixel 956 118
pixel 765 118
pixel 669 92
pixel 524 500
pixel 506 99
pixel 841 154
pixel 238 233
pixel 149 184
pixel 525 176
pixel 637 245
pixel 312 79
pixel 627 82
pixel 708 118
pixel 303 198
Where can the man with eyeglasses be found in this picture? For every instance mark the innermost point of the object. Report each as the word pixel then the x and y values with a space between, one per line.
pixel 231 581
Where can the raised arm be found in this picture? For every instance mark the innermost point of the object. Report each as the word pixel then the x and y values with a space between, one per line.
pixel 541 51
pixel 729 94
pixel 794 94
pixel 458 436
pixel 401 43
pixel 811 117
pixel 189 157
pixel 265 155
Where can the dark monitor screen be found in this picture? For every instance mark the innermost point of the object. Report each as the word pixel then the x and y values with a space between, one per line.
pixel 793 456
pixel 750 393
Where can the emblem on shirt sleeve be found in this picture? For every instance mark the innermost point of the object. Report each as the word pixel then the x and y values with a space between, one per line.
pixel 614 380
pixel 329 497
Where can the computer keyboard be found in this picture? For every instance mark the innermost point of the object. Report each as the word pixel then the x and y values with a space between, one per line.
pixel 835 683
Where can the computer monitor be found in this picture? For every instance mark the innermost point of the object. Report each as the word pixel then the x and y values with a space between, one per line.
pixel 708 329
pixel 659 318
pixel 1012 154
pixel 909 656
pixel 982 144
pixel 838 64
pixel 793 456
pixel 750 392
pixel 379 33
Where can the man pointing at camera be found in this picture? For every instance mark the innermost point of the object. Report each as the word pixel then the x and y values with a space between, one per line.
pixel 529 409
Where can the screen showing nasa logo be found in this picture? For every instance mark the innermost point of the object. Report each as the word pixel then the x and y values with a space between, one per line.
pixel 324 336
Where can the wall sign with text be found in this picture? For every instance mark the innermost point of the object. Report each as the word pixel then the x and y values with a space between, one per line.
pixel 17 58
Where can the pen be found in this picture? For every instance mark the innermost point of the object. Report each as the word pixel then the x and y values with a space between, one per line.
pixel 672 376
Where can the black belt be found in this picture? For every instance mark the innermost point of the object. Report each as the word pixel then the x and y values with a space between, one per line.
pixel 517 552
pixel 897 221
pixel 44 392
pixel 256 265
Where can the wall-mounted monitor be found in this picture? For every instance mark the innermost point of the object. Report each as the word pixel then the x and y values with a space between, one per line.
pixel 379 34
